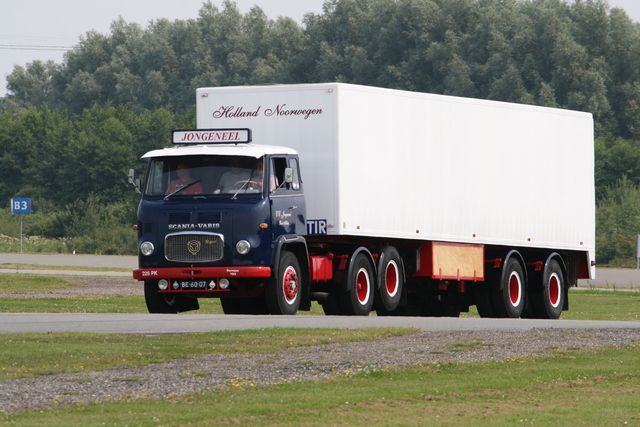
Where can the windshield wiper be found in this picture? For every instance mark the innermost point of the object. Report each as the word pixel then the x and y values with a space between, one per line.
pixel 180 189
pixel 235 196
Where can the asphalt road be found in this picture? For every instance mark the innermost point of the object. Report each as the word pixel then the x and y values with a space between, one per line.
pixel 179 323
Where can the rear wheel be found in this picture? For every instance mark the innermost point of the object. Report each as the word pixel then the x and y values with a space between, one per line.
pixel 484 303
pixel 508 301
pixel 442 306
pixel 283 293
pixel 358 300
pixel 390 279
pixel 549 300
pixel 331 305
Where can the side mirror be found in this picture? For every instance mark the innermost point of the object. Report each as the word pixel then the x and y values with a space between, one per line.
pixel 288 175
pixel 133 181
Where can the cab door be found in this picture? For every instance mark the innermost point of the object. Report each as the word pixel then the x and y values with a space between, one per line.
pixel 288 208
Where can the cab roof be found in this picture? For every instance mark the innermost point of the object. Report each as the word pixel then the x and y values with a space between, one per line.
pixel 248 150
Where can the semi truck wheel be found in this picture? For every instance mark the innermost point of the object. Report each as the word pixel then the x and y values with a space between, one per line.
pixel 484 302
pixel 256 305
pixel 390 278
pixel 509 300
pixel 549 300
pixel 358 300
pixel 283 293
pixel 331 306
pixel 157 302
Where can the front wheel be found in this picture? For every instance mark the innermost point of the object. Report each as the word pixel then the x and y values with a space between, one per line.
pixel 283 292
pixel 159 302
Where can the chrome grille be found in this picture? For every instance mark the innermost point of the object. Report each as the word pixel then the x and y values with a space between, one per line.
pixel 193 247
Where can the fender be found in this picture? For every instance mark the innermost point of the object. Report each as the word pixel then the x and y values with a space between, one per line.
pixel 536 276
pixel 373 265
pixel 298 246
pixel 558 258
pixel 515 254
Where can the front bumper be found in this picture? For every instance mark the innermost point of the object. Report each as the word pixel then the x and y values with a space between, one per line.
pixel 177 273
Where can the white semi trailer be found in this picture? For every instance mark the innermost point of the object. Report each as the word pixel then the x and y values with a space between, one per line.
pixel 373 199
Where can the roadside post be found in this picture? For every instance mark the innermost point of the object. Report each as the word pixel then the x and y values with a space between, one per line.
pixel 637 251
pixel 21 206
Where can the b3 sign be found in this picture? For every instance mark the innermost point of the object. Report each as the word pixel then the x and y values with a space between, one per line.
pixel 21 205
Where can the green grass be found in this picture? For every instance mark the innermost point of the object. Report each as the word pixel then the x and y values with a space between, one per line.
pixel 577 388
pixel 104 304
pixel 10 282
pixel 603 305
pixel 33 355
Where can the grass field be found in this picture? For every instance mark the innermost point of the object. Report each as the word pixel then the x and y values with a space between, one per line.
pixel 573 387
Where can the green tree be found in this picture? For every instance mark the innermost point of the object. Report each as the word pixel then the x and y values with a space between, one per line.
pixel 618 223
pixel 33 85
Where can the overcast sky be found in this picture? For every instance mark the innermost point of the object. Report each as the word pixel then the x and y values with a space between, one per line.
pixel 43 29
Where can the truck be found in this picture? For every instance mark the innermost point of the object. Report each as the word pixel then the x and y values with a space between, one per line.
pixel 367 199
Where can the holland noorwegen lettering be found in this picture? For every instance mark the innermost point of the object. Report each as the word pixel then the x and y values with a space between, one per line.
pixel 232 112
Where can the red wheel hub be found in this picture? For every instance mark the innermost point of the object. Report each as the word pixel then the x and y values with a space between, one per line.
pixel 290 284
pixel 362 286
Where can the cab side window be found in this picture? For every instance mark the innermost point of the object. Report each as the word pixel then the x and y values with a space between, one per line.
pixel 293 164
pixel 279 165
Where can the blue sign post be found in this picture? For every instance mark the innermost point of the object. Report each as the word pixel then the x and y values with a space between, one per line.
pixel 21 205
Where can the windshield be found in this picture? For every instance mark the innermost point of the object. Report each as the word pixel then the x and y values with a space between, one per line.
pixel 204 175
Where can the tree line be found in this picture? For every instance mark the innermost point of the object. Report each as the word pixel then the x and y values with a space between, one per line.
pixel 70 131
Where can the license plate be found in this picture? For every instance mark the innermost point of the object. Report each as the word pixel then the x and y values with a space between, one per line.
pixel 194 284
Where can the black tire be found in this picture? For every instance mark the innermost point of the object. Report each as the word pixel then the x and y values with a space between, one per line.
pixel 444 306
pixel 390 279
pixel 231 305
pixel 331 305
pixel 283 293
pixel 548 301
pixel 255 305
pixel 402 311
pixel 509 300
pixel 159 302
pixel 358 300
pixel 484 303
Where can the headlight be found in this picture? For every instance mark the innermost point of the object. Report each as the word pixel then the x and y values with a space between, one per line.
pixel 147 248
pixel 163 284
pixel 243 247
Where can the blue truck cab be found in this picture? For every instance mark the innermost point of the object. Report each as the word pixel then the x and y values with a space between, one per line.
pixel 221 217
